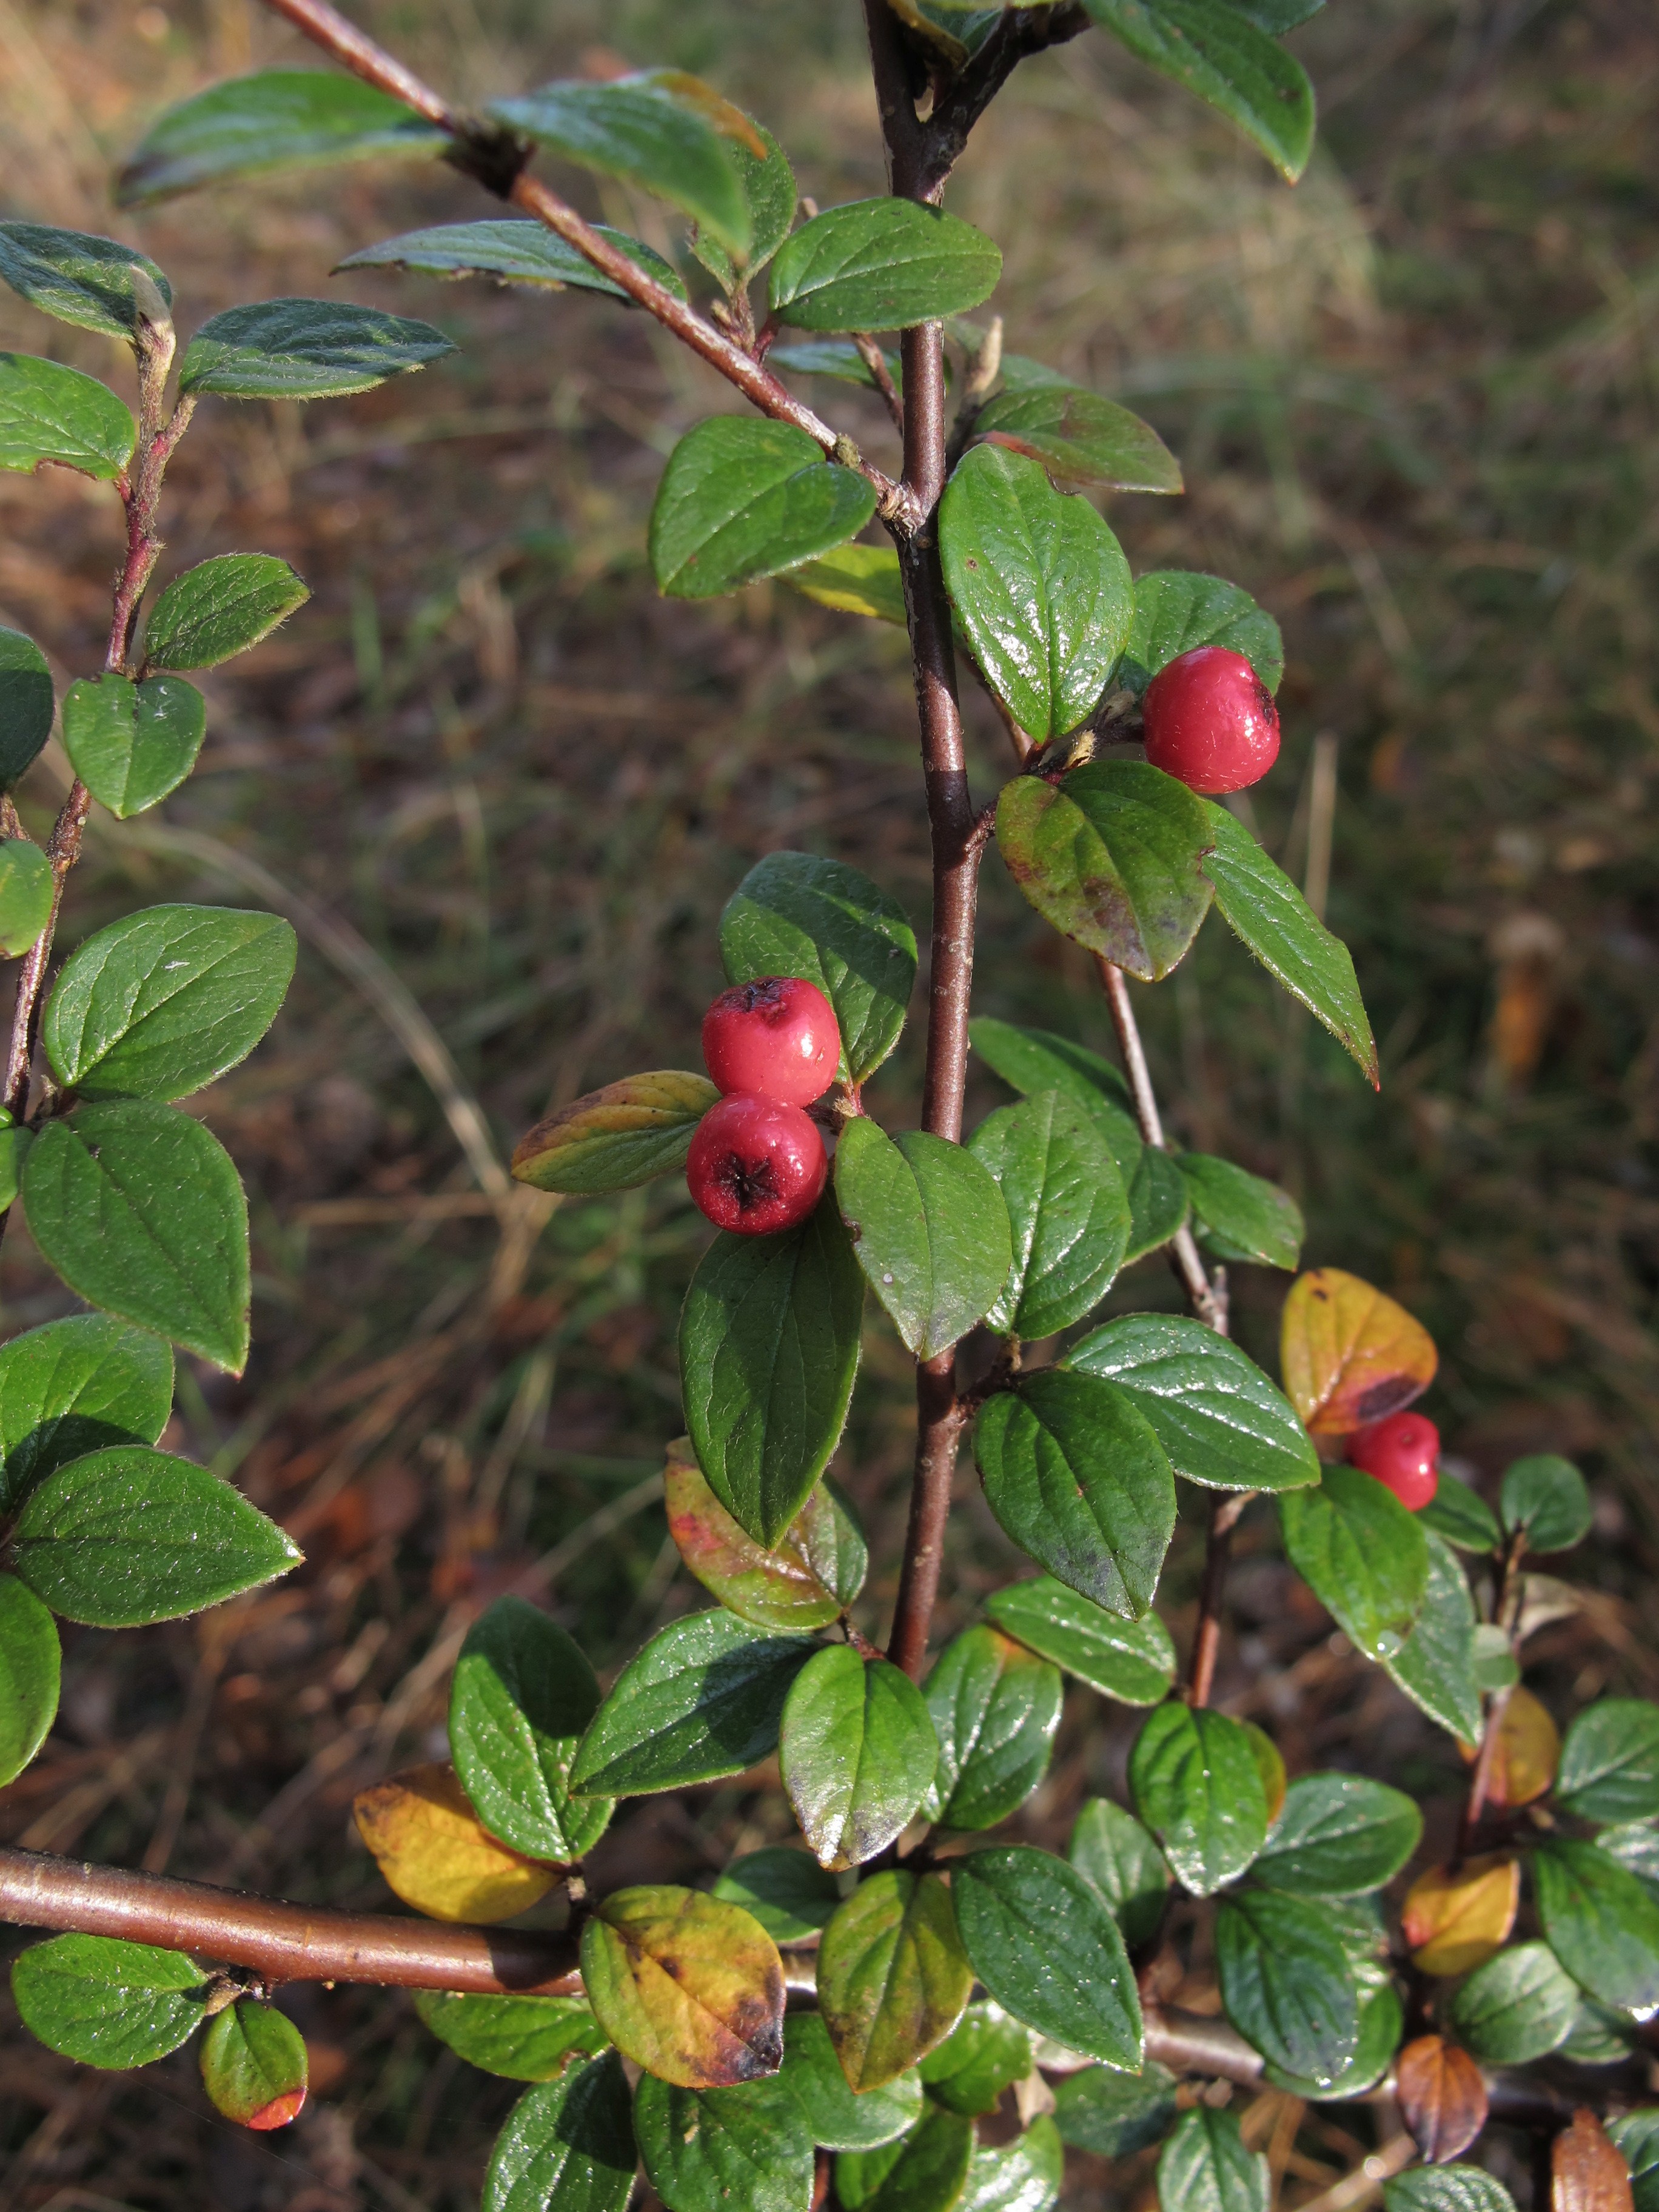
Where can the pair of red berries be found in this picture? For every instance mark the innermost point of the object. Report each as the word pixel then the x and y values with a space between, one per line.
pixel 1209 721
pixel 1403 1453
pixel 757 1163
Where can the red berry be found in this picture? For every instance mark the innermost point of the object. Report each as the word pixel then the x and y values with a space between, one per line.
pixel 756 1164
pixel 1401 1452
pixel 1210 721
pixel 776 1035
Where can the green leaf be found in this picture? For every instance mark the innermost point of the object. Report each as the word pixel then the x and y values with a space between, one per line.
pixel 164 1001
pixel 30 1664
pixel 841 359
pixel 1263 907
pixel 1362 1554
pixel 1338 1835
pixel 1022 2176
pixel 893 1978
pixel 140 1211
pixel 513 251
pixel 51 413
pixel 858 1753
pixel 1600 1922
pixel 1436 1666
pixel 1082 439
pixel 519 2038
pixel 768 188
pixel 768 1348
pixel 1039 585
pixel 15 1143
pixel 929 1229
pixel 1134 1662
pixel 304 350
pixel 1636 2137
pixel 109 2003
pixel 786 1890
pixel 995 1706
pixel 1067 1210
pixel 742 500
pixel 881 264
pixel 1115 2115
pixel 129 1535
pixel 1462 1515
pixel 1239 1216
pixel 982 2054
pixel 73 1386
pixel 839 2118
pixel 1382 2025
pixel 661 131
pixel 1199 1788
pixel 568 2146
pixel 1111 856
pixel 689 1988
pixel 26 700
pixel 220 608
pixel 521 1697
pixel 1205 2167
pixel 277 119
pixel 855 580
pixel 77 277
pixel 1074 1473
pixel 27 887
pixel 1177 611
pixel 805 1581
pixel 1446 2189
pixel 1516 2008
pixel 1599 2036
pixel 707 2151
pixel 131 744
pixel 1218 54
pixel 1285 1983
pixel 1609 1767
pixel 796 915
pixel 254 2065
pixel 1221 1421
pixel 618 1136
pixel 1547 1497
pixel 1635 1847
pixel 1047 1947
pixel 925 2171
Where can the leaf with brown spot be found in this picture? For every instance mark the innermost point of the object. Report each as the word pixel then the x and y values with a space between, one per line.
pixel 688 1987
pixel 437 1854
pixel 893 1976
pixel 1587 2173
pixel 615 1137
pixel 1456 1919
pixel 1349 1354
pixel 811 1575
pixel 1526 1751
pixel 1442 2098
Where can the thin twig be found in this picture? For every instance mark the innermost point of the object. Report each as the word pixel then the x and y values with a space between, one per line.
pixel 881 376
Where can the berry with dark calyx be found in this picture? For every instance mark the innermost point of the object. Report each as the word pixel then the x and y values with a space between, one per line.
pixel 777 1036
pixel 1209 721
pixel 1403 1453
pixel 756 1164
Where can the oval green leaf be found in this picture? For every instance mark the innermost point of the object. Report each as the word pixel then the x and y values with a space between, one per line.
pixel 304 350
pixel 995 1706
pixel 1338 1835
pixel 109 2003
pixel 1600 1922
pixel 75 277
pixel 1518 2007
pixel 893 1978
pixel 1216 50
pixel 881 264
pixel 1199 1788
pixel 277 120
pixel 51 413
pixel 984 2052
pixel 1022 2176
pixel 786 1890
pixel 617 1137
pixel 709 2150
pixel 254 2065
pixel 1047 1947
pixel 1205 2167
pixel 929 1228
pixel 131 744
pixel 1111 1849
pixel 1134 1662
pixel 568 2146
pixel 1362 1553
pixel 838 2117
pixel 72 1387
pixel 512 250
pixel 1115 2115
pixel 1240 1217
pixel 1069 1211
pixel 742 500
pixel 27 703
pixel 519 2038
pixel 30 1669
pixel 926 2171
pixel 520 1699
pixel 1547 1497
pixel 1083 440
pixel 1609 1767
pixel 1446 2189
pixel 858 1753
pixel 26 889
pixel 1285 1983
pixel 1462 1515
pixel 1177 611
pixel 1436 1666
pixel 220 608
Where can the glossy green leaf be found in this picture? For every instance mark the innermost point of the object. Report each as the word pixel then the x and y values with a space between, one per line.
pixel 1133 1661
pixel 1238 1216
pixel 1045 1945
pixel 73 1386
pixel 304 350
pixel 15 1143
pixel 1546 1495
pixel 1067 1209
pixel 618 1136
pixel 1205 2167
pixel 1074 1473
pixel 220 608
pixel 703 1698
pixel 661 131
pixel 1213 48
pixel 841 359
pixel 1609 1767
pixel 254 2065
pixel 855 580
pixel 30 1665
pixel 519 2038
pixel 26 702
pixel 769 188
pixel 839 2118
pixel 568 2146
pixel 51 413
pixel 1462 1515
pixel 277 119
pixel 141 1211
pixel 1362 1553
pixel 1446 2189
pixel 929 1228
pixel 26 894
pixel 1197 1788
pixel 806 1580
pixel 1636 2137
pixel 881 264
pixel 893 1978
pixel 1285 1983
pixel 926 2171
pixel 75 277
pixel 520 1699
pixel 742 500
pixel 1114 2115
pixel 710 2149
pixel 131 744
pixel 1599 2036
pixel 1635 1844
pixel 1495 1665
pixel 1110 1849
pixel 1263 907
pixel 1109 856
pixel 1516 2008
pixel 1221 1421
pixel 1021 2176
pixel 128 1536
pixel 513 249
pixel 1338 1835
pixel 858 1753
pixel 796 915
pixel 995 1706
pixel 1039 585
pixel 1436 1666
pixel 164 1001
pixel 786 1890
pixel 689 1987
pixel 768 1348
pixel 983 2053
pixel 1081 440
pixel 1600 1922
pixel 1177 611
pixel 105 2002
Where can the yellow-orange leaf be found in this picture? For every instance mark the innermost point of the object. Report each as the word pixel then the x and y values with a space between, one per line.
pixel 804 1581
pixel 433 1852
pixel 1349 1354
pixel 1455 1921
pixel 687 1986
pixel 617 1137
pixel 1526 1750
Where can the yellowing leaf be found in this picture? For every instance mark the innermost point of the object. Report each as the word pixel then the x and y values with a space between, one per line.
pixel 689 1987
pixel 617 1137
pixel 804 1581
pixel 1526 1752
pixel 1270 1766
pixel 1456 1919
pixel 433 1851
pixel 1349 1354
